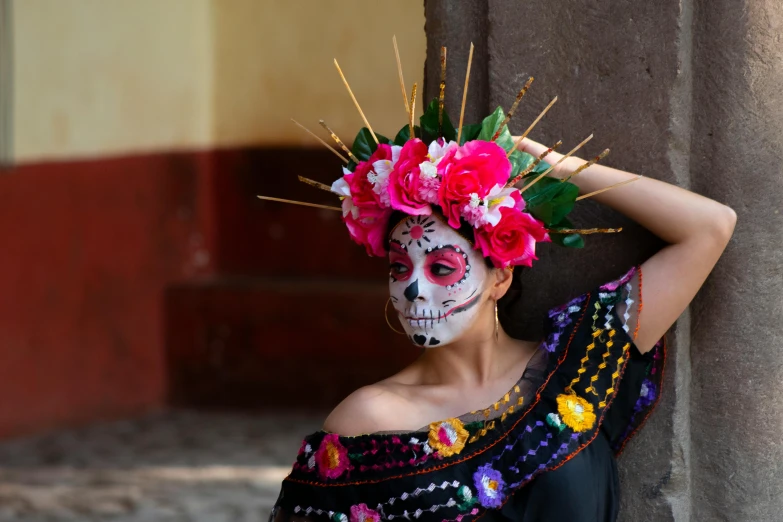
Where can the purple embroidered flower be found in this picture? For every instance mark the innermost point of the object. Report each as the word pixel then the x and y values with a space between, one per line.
pixel 561 316
pixel 490 484
pixel 647 395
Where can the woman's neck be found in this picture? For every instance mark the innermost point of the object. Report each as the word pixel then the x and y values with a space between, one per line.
pixel 476 359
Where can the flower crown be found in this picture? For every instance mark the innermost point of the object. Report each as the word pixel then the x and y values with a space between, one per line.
pixel 469 174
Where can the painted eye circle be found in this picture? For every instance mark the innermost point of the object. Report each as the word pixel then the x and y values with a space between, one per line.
pixel 441 270
pixel 445 267
pixel 398 269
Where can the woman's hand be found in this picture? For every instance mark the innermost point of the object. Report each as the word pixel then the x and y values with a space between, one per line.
pixel 697 228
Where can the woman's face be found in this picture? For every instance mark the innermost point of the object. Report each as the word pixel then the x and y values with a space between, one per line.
pixel 437 280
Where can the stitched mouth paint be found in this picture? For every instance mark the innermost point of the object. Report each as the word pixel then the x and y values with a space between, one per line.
pixel 435 280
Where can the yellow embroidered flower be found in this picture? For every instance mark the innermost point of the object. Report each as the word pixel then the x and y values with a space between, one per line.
pixel 448 437
pixel 575 412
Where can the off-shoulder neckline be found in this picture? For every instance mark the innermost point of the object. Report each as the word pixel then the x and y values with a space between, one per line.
pixel 539 352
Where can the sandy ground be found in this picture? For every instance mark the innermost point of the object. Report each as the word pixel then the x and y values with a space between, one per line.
pixel 174 466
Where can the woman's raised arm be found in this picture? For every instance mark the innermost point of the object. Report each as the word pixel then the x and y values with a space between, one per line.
pixel 697 230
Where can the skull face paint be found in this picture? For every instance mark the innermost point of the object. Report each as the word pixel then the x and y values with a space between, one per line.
pixel 436 280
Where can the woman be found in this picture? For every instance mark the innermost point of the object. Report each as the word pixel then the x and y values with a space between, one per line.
pixel 483 425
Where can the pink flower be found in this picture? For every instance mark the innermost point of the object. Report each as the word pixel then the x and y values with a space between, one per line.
pixel 362 513
pixel 405 179
pixel 367 227
pixel 513 240
pixel 360 180
pixel 331 457
pixel 470 172
pixel 429 182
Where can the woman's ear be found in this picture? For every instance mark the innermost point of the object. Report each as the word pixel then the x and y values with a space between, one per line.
pixel 503 278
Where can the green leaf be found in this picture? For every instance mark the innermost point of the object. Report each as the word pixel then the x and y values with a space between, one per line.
pixel 551 200
pixel 429 124
pixel 405 134
pixel 519 161
pixel 490 124
pixel 470 132
pixel 541 167
pixel 364 144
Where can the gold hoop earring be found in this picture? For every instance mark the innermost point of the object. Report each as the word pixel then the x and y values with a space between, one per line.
pixel 386 316
pixel 497 328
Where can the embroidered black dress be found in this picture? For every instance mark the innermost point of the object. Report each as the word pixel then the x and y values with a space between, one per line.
pixel 544 452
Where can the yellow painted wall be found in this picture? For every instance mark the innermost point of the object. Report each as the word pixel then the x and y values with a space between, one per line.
pixel 101 77
pixel 105 77
pixel 274 61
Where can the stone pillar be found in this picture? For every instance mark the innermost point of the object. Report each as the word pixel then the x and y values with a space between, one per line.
pixel 686 91
pixel 737 333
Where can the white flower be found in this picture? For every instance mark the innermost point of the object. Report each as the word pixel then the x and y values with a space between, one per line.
pixel 475 200
pixel 498 198
pixel 428 170
pixel 437 151
pixel 341 188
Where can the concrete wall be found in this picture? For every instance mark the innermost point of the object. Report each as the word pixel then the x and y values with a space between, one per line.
pixel 686 91
pixel 97 78
pixel 273 61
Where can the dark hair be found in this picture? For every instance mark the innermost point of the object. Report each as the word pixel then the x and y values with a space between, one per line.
pixel 506 304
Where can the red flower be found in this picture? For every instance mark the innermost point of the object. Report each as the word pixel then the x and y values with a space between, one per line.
pixel 474 168
pixel 331 457
pixel 369 228
pixel 361 188
pixel 405 179
pixel 513 240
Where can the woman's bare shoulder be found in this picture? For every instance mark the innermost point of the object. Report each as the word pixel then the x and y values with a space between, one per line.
pixel 369 409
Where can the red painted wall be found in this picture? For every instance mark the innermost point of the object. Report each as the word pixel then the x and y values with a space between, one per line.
pixel 89 249
pixel 86 250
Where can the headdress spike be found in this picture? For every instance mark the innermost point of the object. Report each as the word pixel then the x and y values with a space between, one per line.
pixel 513 108
pixel 369 127
pixel 338 141
pixel 302 203
pixel 532 125
pixel 561 160
pixel 316 184
pixel 637 178
pixel 413 111
pixel 399 74
pixel 311 133
pixel 465 94
pixel 442 93
pixel 534 164
pixel 587 164
pixel 585 230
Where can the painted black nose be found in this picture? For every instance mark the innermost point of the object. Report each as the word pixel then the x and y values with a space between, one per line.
pixel 412 292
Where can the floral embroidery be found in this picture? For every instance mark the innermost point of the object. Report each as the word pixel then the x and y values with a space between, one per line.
pixel 613 285
pixel 465 494
pixel 576 412
pixel 553 420
pixel 561 318
pixel 448 437
pixel 361 513
pixel 489 483
pixel 331 457
pixel 647 394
